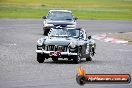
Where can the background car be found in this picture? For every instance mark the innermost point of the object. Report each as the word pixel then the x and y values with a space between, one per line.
pixel 58 17
pixel 61 42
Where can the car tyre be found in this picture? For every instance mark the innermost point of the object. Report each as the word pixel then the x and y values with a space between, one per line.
pixel 55 59
pixel 46 31
pixel 40 58
pixel 76 59
pixel 88 59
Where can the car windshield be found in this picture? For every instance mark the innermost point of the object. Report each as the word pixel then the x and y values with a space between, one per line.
pixel 75 33
pixel 59 15
pixel 64 33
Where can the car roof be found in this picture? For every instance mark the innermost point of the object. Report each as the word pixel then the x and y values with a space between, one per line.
pixel 60 11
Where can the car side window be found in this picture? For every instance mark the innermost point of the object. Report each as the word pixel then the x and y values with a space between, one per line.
pixel 85 35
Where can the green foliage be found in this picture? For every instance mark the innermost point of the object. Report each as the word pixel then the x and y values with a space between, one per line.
pixel 83 9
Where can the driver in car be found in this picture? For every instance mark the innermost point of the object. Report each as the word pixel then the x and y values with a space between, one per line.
pixel 72 33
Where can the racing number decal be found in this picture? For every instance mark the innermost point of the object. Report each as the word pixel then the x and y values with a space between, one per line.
pixel 87 49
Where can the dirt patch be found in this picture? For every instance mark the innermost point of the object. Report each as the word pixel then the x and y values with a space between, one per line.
pixel 123 36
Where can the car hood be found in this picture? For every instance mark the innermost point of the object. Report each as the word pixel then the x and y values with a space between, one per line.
pixel 67 22
pixel 59 41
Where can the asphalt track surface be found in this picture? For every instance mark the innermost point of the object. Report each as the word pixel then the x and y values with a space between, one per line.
pixel 19 68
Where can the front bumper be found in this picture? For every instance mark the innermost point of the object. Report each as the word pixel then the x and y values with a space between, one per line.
pixel 62 53
pixel 63 25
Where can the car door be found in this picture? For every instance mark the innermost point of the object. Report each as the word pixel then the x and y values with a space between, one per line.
pixel 86 52
pixel 83 41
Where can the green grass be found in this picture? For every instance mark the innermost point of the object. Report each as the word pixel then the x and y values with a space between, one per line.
pixel 83 9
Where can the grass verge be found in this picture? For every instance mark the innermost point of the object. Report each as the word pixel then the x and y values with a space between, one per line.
pixel 83 9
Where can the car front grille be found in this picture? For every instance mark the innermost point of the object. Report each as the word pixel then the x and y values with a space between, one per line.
pixel 55 48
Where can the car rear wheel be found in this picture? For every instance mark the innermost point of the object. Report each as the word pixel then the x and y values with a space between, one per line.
pixel 40 57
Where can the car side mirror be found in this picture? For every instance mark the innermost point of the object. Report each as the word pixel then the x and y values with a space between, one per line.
pixel 44 17
pixel 89 37
pixel 75 18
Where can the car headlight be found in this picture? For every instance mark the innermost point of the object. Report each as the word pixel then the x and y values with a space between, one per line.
pixel 40 42
pixel 46 24
pixel 72 45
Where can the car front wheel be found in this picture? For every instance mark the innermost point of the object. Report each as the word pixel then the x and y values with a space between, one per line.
pixel 55 58
pixel 46 31
pixel 76 59
pixel 88 59
pixel 40 57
